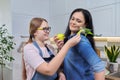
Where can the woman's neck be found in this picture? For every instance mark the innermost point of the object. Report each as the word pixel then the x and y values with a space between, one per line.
pixel 72 33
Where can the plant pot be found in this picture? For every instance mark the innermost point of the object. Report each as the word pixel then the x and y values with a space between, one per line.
pixel 113 67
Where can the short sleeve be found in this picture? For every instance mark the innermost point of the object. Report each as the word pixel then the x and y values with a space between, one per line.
pixel 31 56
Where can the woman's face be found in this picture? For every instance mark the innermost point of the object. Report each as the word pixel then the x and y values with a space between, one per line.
pixel 42 33
pixel 77 20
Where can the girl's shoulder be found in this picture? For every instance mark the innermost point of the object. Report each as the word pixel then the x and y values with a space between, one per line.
pixel 29 46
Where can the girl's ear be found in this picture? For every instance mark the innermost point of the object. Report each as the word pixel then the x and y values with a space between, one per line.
pixel 35 33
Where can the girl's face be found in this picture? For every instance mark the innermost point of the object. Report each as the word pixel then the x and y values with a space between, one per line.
pixel 42 32
pixel 77 20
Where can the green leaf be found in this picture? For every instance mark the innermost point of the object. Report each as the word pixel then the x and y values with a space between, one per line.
pixel 6 45
pixel 85 31
pixel 108 53
pixel 112 52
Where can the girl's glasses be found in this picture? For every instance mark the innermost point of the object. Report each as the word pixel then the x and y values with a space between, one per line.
pixel 45 29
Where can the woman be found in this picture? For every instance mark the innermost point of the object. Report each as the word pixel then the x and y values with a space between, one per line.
pixel 81 61
pixel 40 63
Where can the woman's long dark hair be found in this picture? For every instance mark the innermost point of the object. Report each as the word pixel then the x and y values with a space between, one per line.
pixel 88 22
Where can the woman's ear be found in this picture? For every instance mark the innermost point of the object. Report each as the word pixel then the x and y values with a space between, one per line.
pixel 85 25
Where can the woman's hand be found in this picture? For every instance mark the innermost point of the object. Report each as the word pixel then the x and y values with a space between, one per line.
pixel 62 76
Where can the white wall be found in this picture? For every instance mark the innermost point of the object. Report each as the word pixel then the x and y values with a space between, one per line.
pixel 105 16
pixel 118 18
pixel 104 20
pixel 24 10
pixel 5 14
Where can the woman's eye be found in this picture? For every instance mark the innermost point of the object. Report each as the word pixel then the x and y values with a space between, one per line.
pixel 78 21
pixel 72 18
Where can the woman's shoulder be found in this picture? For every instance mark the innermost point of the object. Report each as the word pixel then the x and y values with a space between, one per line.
pixel 84 42
pixel 84 39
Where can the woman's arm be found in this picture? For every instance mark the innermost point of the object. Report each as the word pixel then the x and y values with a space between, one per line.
pixel 100 75
pixel 92 58
pixel 61 76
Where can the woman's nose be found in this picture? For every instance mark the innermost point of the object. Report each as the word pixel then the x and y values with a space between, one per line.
pixel 74 22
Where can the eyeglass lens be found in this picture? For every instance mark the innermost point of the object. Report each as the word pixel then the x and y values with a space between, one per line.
pixel 47 29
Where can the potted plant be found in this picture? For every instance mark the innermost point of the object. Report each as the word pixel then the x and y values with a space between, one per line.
pixel 112 53
pixel 6 46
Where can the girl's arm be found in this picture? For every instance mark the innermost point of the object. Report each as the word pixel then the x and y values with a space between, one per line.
pixel 51 67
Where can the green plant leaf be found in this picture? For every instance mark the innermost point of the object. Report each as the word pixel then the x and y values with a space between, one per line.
pixel 117 52
pixel 85 31
pixel 112 52
pixel 108 52
pixel 6 45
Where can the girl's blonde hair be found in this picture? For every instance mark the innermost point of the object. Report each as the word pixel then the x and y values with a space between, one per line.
pixel 34 25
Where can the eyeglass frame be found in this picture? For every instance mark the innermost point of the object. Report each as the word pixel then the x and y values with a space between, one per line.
pixel 45 29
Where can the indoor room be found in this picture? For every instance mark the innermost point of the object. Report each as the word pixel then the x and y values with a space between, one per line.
pixel 15 16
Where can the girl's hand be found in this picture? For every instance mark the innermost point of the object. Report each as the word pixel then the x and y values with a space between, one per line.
pixel 74 40
pixel 58 42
